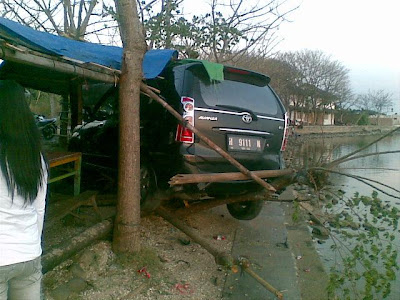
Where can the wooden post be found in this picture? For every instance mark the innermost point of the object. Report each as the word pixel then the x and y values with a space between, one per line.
pixel 64 120
pixel 76 104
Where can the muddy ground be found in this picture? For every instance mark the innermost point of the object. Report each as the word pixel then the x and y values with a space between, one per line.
pixel 169 265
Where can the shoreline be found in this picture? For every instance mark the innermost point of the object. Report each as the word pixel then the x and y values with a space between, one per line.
pixel 336 131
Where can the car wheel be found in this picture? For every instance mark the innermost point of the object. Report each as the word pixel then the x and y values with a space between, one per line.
pixel 246 210
pixel 48 133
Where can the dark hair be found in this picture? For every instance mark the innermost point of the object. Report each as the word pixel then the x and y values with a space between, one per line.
pixel 20 145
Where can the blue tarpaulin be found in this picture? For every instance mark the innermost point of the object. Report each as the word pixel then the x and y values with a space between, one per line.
pixel 110 56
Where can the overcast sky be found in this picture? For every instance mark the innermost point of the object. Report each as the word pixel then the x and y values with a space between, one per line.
pixel 362 34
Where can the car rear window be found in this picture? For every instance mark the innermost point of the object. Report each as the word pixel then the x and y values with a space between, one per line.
pixel 240 90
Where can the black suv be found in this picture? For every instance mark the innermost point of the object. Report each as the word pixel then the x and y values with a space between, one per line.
pixel 240 113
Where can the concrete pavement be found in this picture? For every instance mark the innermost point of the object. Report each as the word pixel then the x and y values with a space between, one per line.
pixel 274 249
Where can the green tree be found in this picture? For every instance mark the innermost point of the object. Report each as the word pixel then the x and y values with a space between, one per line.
pixel 169 29
pixel 229 30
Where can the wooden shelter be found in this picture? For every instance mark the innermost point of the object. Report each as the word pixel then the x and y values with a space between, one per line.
pixel 58 65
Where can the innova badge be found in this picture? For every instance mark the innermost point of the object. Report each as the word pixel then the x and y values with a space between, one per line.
pixel 247 118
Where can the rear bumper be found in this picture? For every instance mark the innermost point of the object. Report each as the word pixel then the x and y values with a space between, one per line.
pixel 194 164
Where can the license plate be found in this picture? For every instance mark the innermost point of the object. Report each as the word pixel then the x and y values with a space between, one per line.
pixel 245 143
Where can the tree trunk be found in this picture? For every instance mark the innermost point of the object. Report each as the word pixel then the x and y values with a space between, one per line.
pixel 167 16
pixel 53 105
pixel 64 120
pixel 69 248
pixel 126 228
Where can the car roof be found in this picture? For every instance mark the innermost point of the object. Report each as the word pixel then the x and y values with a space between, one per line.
pixel 213 68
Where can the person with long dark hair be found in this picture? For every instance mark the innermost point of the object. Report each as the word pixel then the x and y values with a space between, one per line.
pixel 23 187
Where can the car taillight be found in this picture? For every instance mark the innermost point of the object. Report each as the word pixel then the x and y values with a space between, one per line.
pixel 184 134
pixel 237 71
pixel 285 133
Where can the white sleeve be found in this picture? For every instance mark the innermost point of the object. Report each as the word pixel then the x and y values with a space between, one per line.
pixel 40 201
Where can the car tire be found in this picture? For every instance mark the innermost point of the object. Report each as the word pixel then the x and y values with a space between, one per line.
pixel 147 187
pixel 246 210
pixel 48 132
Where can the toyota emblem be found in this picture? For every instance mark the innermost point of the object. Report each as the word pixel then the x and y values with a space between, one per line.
pixel 247 118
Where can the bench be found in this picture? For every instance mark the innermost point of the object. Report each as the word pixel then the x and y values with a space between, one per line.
pixel 57 159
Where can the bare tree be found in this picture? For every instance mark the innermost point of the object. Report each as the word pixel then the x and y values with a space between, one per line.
pixel 344 103
pixel 126 229
pixel 364 102
pixel 234 28
pixel 76 19
pixel 375 101
pixel 382 101
pixel 321 81
pixel 282 74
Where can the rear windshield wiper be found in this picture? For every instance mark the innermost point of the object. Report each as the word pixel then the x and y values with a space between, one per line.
pixel 239 109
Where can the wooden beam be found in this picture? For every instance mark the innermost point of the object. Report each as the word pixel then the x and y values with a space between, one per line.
pixel 76 102
pixel 221 177
pixel 32 58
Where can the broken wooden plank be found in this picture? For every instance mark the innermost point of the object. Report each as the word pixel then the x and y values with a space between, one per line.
pixel 221 177
pixel 65 207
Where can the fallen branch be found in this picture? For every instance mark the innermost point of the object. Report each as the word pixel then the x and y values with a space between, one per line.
pixel 69 248
pixel 363 180
pixel 368 154
pixel 245 265
pixel 221 258
pixel 345 158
